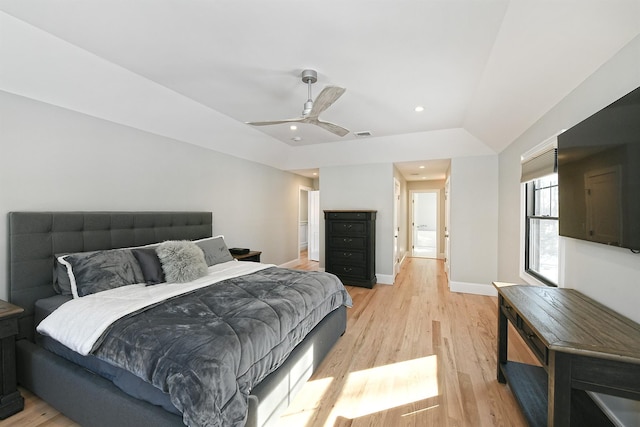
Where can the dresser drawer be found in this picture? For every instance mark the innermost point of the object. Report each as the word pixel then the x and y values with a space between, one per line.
pixel 347 256
pixel 349 215
pixel 534 342
pixel 530 337
pixel 346 227
pixel 349 270
pixel 509 312
pixel 347 242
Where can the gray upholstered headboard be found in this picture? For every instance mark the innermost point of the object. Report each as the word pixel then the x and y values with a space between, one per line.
pixel 35 237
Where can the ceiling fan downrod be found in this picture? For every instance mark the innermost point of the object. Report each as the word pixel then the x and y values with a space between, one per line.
pixel 309 77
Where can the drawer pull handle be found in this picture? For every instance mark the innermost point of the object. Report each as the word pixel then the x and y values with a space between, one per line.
pixel 347 240
pixel 347 255
pixel 347 269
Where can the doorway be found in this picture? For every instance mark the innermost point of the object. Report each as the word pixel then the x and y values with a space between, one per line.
pixel 308 225
pixel 425 224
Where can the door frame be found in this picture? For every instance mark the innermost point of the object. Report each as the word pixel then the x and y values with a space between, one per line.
pixel 447 226
pixel 300 189
pixel 438 194
pixel 397 189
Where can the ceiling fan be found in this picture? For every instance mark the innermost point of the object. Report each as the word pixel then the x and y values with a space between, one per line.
pixel 312 109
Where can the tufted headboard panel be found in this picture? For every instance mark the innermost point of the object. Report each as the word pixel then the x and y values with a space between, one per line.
pixel 35 237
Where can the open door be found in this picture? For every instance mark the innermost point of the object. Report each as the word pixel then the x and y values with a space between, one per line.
pixel 396 226
pixel 314 226
pixel 447 219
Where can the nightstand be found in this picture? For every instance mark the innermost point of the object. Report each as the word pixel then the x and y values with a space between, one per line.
pixel 10 399
pixel 249 256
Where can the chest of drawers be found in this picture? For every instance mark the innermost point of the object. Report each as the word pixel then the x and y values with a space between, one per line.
pixel 350 240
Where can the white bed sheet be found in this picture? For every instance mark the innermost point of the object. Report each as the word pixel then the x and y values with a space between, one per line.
pixel 79 323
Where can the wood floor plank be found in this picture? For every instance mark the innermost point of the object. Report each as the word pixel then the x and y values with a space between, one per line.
pixel 414 354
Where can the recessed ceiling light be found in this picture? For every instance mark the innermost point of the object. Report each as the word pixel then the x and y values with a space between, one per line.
pixel 421 166
pixel 419 109
pixel 315 174
pixel 293 127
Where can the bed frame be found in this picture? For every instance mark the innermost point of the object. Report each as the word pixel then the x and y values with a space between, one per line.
pixel 34 239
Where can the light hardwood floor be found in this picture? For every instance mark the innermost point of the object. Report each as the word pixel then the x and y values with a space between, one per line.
pixel 414 354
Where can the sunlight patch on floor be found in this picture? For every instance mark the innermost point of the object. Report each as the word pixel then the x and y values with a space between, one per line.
pixel 385 387
pixel 365 392
pixel 312 394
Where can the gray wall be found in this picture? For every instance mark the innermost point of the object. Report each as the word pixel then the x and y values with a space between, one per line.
pixel 55 159
pixel 367 187
pixel 607 274
pixel 474 224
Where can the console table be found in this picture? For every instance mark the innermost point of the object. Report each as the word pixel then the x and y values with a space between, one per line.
pixel 581 345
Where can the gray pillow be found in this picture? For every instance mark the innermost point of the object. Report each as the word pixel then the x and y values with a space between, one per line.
pixel 150 265
pixel 91 272
pixel 182 261
pixel 61 282
pixel 215 250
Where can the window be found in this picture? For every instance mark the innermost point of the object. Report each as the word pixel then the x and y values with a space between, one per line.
pixel 541 229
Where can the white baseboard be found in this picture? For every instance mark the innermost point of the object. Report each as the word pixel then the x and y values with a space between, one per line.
pixel 290 264
pixel 385 279
pixel 473 288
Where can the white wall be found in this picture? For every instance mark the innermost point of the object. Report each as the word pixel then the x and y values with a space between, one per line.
pixel 473 231
pixel 367 187
pixel 55 159
pixel 609 275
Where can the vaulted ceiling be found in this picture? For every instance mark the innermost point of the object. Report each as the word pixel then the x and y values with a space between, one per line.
pixel 482 70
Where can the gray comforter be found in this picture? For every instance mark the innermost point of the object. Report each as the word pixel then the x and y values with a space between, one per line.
pixel 208 348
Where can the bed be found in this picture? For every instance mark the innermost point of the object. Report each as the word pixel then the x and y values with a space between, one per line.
pixel 92 389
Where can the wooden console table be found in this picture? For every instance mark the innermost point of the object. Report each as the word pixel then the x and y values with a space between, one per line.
pixel 582 346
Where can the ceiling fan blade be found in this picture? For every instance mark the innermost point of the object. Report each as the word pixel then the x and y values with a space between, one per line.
pixel 331 127
pixel 328 96
pixel 276 122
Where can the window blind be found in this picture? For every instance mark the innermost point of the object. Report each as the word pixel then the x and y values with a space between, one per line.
pixel 540 165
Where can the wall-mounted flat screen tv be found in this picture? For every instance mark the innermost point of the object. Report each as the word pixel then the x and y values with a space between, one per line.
pixel 599 176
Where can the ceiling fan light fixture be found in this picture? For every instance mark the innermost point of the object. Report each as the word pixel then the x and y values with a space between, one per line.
pixel 293 127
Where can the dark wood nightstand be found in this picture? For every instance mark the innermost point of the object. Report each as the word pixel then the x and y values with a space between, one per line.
pixel 10 399
pixel 249 256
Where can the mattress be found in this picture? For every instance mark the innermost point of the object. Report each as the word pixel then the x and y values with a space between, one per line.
pixel 121 378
